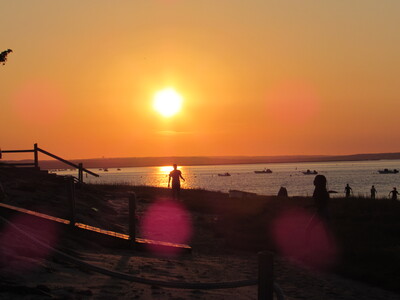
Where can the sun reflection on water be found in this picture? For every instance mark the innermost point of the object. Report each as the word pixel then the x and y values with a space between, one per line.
pixel 165 169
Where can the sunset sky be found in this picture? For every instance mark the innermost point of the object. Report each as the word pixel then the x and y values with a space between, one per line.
pixel 256 77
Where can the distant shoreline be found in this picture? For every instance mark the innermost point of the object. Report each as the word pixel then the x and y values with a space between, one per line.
pixel 124 162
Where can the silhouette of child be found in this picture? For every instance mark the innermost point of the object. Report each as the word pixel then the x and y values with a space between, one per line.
pixel 394 193
pixel 348 190
pixel 373 192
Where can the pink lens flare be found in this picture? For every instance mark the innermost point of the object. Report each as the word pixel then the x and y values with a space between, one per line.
pixel 39 102
pixel 166 221
pixel 22 252
pixel 292 102
pixel 305 238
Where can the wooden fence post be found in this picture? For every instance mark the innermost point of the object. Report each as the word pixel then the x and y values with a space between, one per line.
pixel 36 155
pixel 132 218
pixel 71 200
pixel 80 173
pixel 265 275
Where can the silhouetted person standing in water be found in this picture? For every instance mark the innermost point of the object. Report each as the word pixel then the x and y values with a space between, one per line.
pixel 348 190
pixel 394 193
pixel 373 192
pixel 176 176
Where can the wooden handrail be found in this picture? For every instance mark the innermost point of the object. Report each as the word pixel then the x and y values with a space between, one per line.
pixel 66 161
pixel 36 160
pixel 21 164
pixel 16 151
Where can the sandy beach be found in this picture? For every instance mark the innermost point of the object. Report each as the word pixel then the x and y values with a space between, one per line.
pixel 219 252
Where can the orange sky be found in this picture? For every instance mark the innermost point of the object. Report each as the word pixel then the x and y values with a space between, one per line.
pixel 257 77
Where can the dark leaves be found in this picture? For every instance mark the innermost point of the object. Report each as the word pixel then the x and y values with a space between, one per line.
pixel 3 56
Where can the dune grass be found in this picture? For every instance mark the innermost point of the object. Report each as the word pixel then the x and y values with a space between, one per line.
pixel 367 231
pixel 369 235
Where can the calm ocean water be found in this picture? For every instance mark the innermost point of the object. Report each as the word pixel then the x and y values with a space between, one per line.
pixel 360 175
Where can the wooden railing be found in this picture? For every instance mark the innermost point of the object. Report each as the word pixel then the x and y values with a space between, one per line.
pixel 266 287
pixel 35 162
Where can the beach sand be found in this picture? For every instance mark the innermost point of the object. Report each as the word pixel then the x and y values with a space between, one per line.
pixel 28 273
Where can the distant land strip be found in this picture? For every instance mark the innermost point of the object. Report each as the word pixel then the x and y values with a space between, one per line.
pixel 120 162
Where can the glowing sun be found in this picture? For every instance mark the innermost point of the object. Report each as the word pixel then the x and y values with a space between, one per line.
pixel 167 102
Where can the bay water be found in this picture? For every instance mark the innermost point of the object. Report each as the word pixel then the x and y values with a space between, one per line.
pixel 360 175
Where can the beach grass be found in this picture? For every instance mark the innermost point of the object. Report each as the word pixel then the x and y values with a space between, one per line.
pixel 367 231
pixel 369 234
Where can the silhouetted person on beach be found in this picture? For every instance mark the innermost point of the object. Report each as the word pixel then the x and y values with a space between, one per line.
pixel 394 193
pixel 321 201
pixel 373 192
pixel 176 176
pixel 283 192
pixel 348 190
pixel 321 198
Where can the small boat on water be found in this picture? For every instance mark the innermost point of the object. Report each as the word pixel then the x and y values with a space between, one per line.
pixel 105 170
pixel 224 174
pixel 265 171
pixel 387 171
pixel 308 172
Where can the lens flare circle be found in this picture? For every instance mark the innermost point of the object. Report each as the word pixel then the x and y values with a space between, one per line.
pixel 167 102
pixel 311 246
pixel 167 221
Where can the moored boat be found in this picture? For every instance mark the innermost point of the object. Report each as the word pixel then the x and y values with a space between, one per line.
pixel 224 174
pixel 387 171
pixel 265 171
pixel 308 172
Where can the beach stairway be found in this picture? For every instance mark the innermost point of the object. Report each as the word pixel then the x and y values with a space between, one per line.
pixel 35 163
